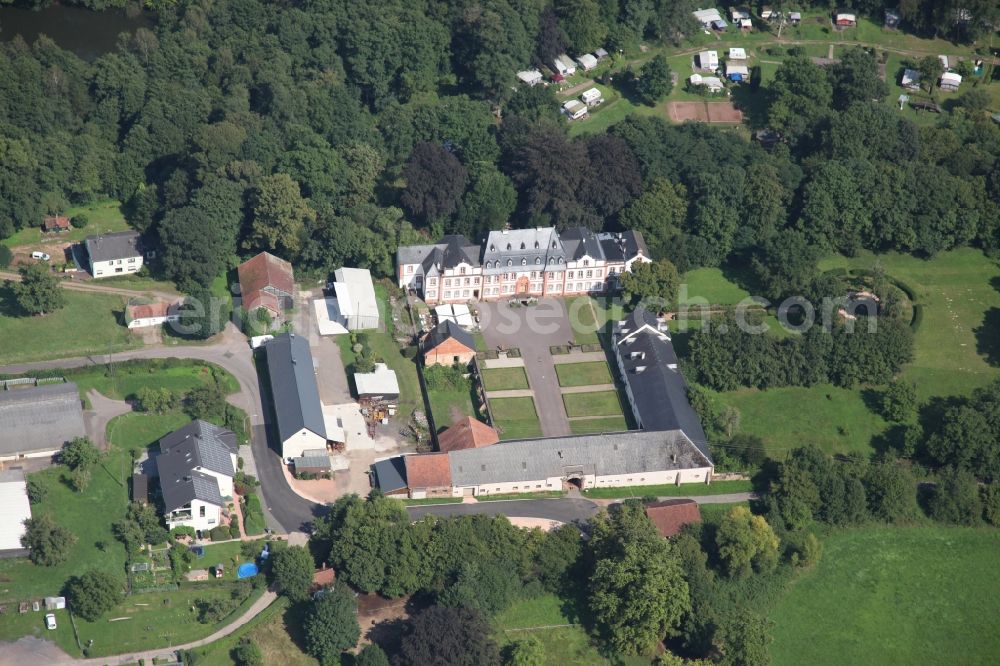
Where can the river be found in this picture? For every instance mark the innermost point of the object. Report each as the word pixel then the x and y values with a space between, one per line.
pixel 87 33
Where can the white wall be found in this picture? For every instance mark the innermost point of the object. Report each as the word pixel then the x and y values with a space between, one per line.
pixel 33 454
pixel 212 518
pixel 101 269
pixel 225 482
pixel 656 478
pixel 297 444
pixel 143 322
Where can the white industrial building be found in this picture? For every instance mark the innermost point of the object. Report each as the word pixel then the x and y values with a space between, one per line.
pixel 16 509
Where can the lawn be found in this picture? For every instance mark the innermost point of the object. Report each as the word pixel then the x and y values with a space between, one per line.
pixel 671 490
pixel 270 630
pixel 449 406
pixel 504 379
pixel 554 622
pixel 126 379
pixel 959 292
pixel 835 419
pixel 582 320
pixel 105 216
pixel 583 374
pixel 88 324
pixel 894 595
pixel 581 426
pixel 384 346
pixel 598 403
pixel 708 286
pixel 516 418
pixel 138 430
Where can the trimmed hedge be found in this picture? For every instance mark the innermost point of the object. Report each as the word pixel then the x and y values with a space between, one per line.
pixel 220 533
pixel 918 317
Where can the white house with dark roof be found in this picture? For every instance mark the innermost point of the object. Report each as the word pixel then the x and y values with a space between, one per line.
pixel 519 263
pixel 295 395
pixel 118 253
pixel 196 466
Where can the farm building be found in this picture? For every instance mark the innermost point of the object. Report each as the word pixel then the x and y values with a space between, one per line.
pixel 575 109
pixel 295 395
pixel 389 475
pixel 378 385
pixel 670 516
pixel 356 298
pixel 447 344
pixel 16 509
pixel 708 60
pixel 428 475
pixel 36 422
pixel 587 62
pixel 469 433
pixel 153 314
pixel 54 224
pixel 591 97
pixel 530 77
pixel 266 282
pixel 950 81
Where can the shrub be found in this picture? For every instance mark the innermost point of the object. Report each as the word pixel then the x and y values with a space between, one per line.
pixel 94 593
pixel 211 611
pixel 246 653
pixel 183 531
pixel 6 256
pixel 37 490
pixel 244 483
pixel 220 533
pixel 79 221
pixel 234 527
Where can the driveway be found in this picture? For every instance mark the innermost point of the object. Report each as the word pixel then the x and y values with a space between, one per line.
pixel 533 329
pixel 101 411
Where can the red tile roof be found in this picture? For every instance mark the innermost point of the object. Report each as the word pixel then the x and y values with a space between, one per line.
pixel 55 223
pixel 147 311
pixel 324 577
pixel 469 433
pixel 428 470
pixel 669 516
pixel 265 270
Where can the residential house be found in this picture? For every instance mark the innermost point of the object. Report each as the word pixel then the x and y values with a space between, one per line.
pixel 356 304
pixel 592 97
pixel 670 516
pixel 447 344
pixel 469 433
pixel 587 62
pixel 428 475
pixel 196 466
pixel 54 224
pixel 16 510
pixel 844 20
pixel 36 422
pixel 708 60
pixel 950 81
pixel 152 314
pixel 118 253
pixel 656 391
pixel 575 109
pixel 713 83
pixel 380 385
pixel 530 77
pixel 266 282
pixel 295 395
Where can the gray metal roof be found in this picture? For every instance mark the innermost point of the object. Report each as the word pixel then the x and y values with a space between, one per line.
pixel 321 462
pixel 652 373
pixel 389 475
pixel 117 245
pixel 523 249
pixel 580 242
pixel 293 386
pixel 622 246
pixel 40 418
pixel 633 452
pixel 448 329
pixel 205 445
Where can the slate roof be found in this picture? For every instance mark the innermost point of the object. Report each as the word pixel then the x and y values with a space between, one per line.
pixel 669 516
pixel 293 386
pixel 389 475
pixel 633 452
pixel 448 330
pixel 427 470
pixel 117 245
pixel 449 253
pixel 539 249
pixel 658 389
pixel 203 444
pixel 580 242
pixel 469 433
pixel 180 486
pixel 261 273
pixel 622 246
pixel 39 418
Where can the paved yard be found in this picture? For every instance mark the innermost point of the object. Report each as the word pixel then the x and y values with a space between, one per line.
pixel 533 329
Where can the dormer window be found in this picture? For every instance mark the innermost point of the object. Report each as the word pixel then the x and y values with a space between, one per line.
pixel 553 245
pixel 522 245
pixel 509 263
pixel 536 245
pixel 524 262
pixel 493 248
pixel 538 260
pixel 508 246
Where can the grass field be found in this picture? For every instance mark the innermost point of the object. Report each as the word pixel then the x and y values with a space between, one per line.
pixel 709 286
pixel 88 324
pixel 602 424
pixel 582 320
pixel 671 490
pixel 894 596
pixel 138 430
pixel 598 403
pixel 504 379
pixel 835 419
pixel 583 374
pixel 105 216
pixel 269 631
pixel 959 291
pixel 516 417
pixel 450 406
pixel 125 381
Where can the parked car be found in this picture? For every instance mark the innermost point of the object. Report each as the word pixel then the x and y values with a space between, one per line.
pixel 40 255
pixel 50 621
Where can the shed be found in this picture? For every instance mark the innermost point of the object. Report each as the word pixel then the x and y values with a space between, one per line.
pixel 266 281
pixel 950 81
pixel 845 20
pixel 737 53
pixel 670 516
pixel 140 488
pixel 708 60
pixel 911 79
pixel 151 314
pixel 313 461
pixel 719 25
pixel 708 17
pixel 380 384
pixel 713 83
pixel 55 224
pixel 587 61
pixel 746 24
pixel 739 13
pixel 592 97
pixel 530 77
pixel 575 109
pixel 448 343
pixel 389 475
pixel 795 17
pixel 767 13
pixel 565 65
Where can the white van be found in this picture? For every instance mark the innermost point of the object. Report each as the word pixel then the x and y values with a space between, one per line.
pixel 40 255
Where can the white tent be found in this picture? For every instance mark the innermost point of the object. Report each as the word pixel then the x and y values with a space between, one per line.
pixel 458 313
